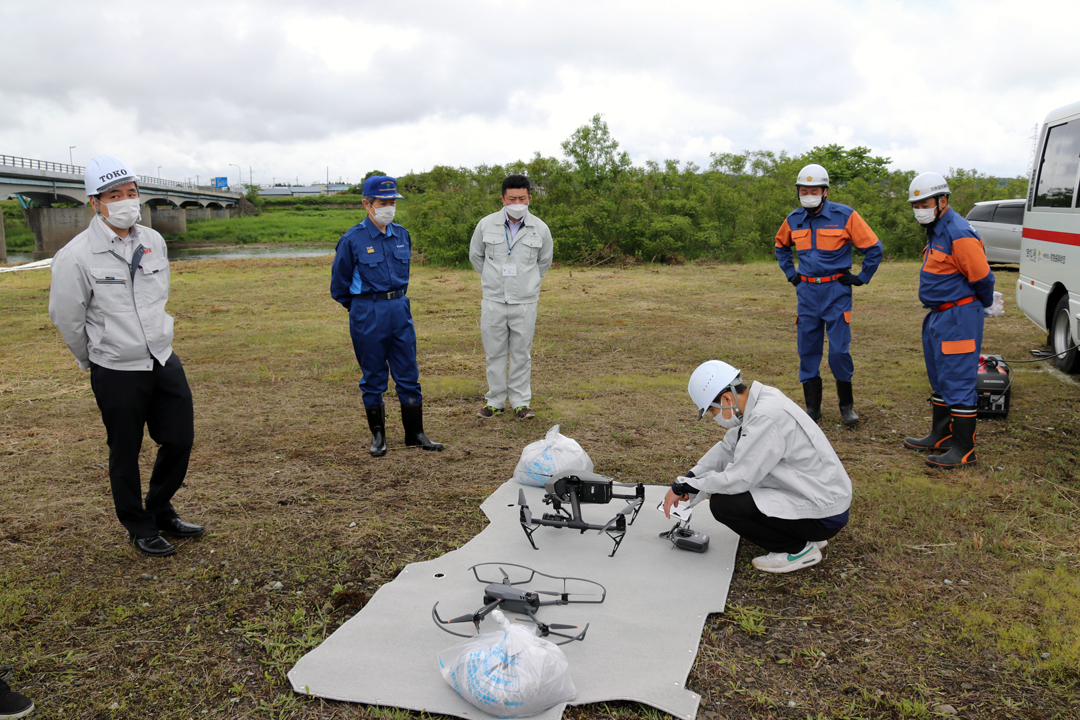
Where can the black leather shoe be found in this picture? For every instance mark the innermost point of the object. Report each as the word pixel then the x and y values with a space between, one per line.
pixel 175 527
pixel 155 546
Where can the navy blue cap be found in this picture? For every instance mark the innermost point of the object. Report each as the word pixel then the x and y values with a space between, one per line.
pixel 381 187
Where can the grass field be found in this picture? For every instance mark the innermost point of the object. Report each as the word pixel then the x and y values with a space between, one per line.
pixel 957 589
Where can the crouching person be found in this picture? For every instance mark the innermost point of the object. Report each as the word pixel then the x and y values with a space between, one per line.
pixel 774 479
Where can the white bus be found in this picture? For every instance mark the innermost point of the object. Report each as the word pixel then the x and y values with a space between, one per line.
pixel 1048 286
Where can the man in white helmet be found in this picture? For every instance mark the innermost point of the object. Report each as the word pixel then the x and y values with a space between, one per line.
pixel 774 479
pixel 109 288
pixel 956 284
pixel 821 234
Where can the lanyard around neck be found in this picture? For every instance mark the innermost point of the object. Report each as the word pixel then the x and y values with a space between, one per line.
pixel 506 230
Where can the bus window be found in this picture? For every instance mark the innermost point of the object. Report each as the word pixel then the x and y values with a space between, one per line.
pixel 1061 157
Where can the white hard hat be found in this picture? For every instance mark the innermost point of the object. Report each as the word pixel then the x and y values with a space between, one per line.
pixel 813 176
pixel 929 184
pixel 709 380
pixel 105 172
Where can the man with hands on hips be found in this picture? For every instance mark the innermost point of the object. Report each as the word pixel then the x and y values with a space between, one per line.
pixel 774 479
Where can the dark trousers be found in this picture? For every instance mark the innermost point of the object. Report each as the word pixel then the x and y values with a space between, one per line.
pixel 160 400
pixel 741 514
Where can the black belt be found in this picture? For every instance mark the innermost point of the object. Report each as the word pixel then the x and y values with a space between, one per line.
pixel 381 295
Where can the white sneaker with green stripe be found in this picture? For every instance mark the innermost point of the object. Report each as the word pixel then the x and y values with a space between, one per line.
pixel 782 562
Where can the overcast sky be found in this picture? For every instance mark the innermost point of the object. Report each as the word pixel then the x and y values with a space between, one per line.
pixel 290 89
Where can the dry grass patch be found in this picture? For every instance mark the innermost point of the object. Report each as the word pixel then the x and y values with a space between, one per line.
pixel 946 589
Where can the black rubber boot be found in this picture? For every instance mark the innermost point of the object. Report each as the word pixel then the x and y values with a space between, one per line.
pixel 412 418
pixel 812 394
pixel 847 403
pixel 962 452
pixel 940 437
pixel 376 420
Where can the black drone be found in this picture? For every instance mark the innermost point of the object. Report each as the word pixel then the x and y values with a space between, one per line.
pixel 577 488
pixel 506 596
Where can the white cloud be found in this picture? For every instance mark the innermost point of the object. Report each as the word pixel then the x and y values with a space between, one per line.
pixel 289 89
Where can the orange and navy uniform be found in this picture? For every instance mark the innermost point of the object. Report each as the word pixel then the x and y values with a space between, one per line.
pixel 956 284
pixel 823 242
pixel 954 264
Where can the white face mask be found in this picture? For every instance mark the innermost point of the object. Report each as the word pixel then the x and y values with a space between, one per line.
pixel 925 216
pixel 384 215
pixel 728 423
pixel 516 211
pixel 122 213
pixel 811 201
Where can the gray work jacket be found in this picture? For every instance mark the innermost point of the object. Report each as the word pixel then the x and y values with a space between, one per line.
pixel 781 457
pixel 104 316
pixel 530 258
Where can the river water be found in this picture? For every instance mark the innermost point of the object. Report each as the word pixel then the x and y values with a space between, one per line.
pixel 221 253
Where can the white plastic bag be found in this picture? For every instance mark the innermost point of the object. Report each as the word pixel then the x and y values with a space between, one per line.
pixel 554 454
pixel 997 309
pixel 508 674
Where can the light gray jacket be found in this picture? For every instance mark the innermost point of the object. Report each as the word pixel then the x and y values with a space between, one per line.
pixel 533 250
pixel 782 459
pixel 104 317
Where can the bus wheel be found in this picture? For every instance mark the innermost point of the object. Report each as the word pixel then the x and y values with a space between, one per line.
pixel 1063 341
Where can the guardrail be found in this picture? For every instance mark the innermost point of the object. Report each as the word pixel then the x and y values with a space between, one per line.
pixel 12 161
pixel 29 164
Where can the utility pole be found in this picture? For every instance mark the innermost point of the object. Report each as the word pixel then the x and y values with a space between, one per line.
pixel 71 160
pixel 250 181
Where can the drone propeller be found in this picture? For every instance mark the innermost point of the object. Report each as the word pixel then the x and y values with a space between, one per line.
pixel 560 594
pixel 550 626
pixel 611 523
pixel 525 511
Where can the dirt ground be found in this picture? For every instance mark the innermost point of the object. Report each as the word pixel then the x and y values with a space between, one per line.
pixel 949 593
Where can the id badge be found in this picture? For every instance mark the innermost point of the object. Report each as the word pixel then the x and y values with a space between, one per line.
pixel 509 270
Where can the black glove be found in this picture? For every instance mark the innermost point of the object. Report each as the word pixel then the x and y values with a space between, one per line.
pixel 795 280
pixel 848 279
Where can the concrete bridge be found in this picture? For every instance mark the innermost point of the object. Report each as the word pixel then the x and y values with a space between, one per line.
pixel 40 184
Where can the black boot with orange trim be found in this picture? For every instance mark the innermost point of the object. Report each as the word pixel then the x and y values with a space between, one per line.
pixel 940 437
pixel 962 452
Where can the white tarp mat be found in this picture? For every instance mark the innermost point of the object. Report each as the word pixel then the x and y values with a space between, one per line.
pixel 641 644
pixel 36 265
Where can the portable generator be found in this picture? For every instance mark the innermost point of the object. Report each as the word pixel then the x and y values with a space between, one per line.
pixel 993 386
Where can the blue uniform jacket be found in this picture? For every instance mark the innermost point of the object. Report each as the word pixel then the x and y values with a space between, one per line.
pixel 954 264
pixel 823 242
pixel 370 261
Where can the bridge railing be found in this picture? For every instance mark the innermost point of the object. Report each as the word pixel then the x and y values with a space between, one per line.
pixel 19 162
pixel 30 164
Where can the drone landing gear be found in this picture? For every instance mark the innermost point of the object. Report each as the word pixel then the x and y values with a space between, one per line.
pixel 505 595
pixel 570 489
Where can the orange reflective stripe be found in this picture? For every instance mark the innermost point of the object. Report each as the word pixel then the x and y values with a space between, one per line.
pixel 970 258
pixel 831 239
pixel 958 347
pixel 860 232
pixel 783 235
pixel 939 263
pixel 801 238
pixel 847 316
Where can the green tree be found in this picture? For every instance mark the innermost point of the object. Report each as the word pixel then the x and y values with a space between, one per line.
pixel 846 164
pixel 594 153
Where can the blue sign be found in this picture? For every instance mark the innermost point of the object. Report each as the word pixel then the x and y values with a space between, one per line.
pixel 221 182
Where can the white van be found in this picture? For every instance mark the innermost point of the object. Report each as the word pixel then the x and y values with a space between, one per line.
pixel 1048 286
